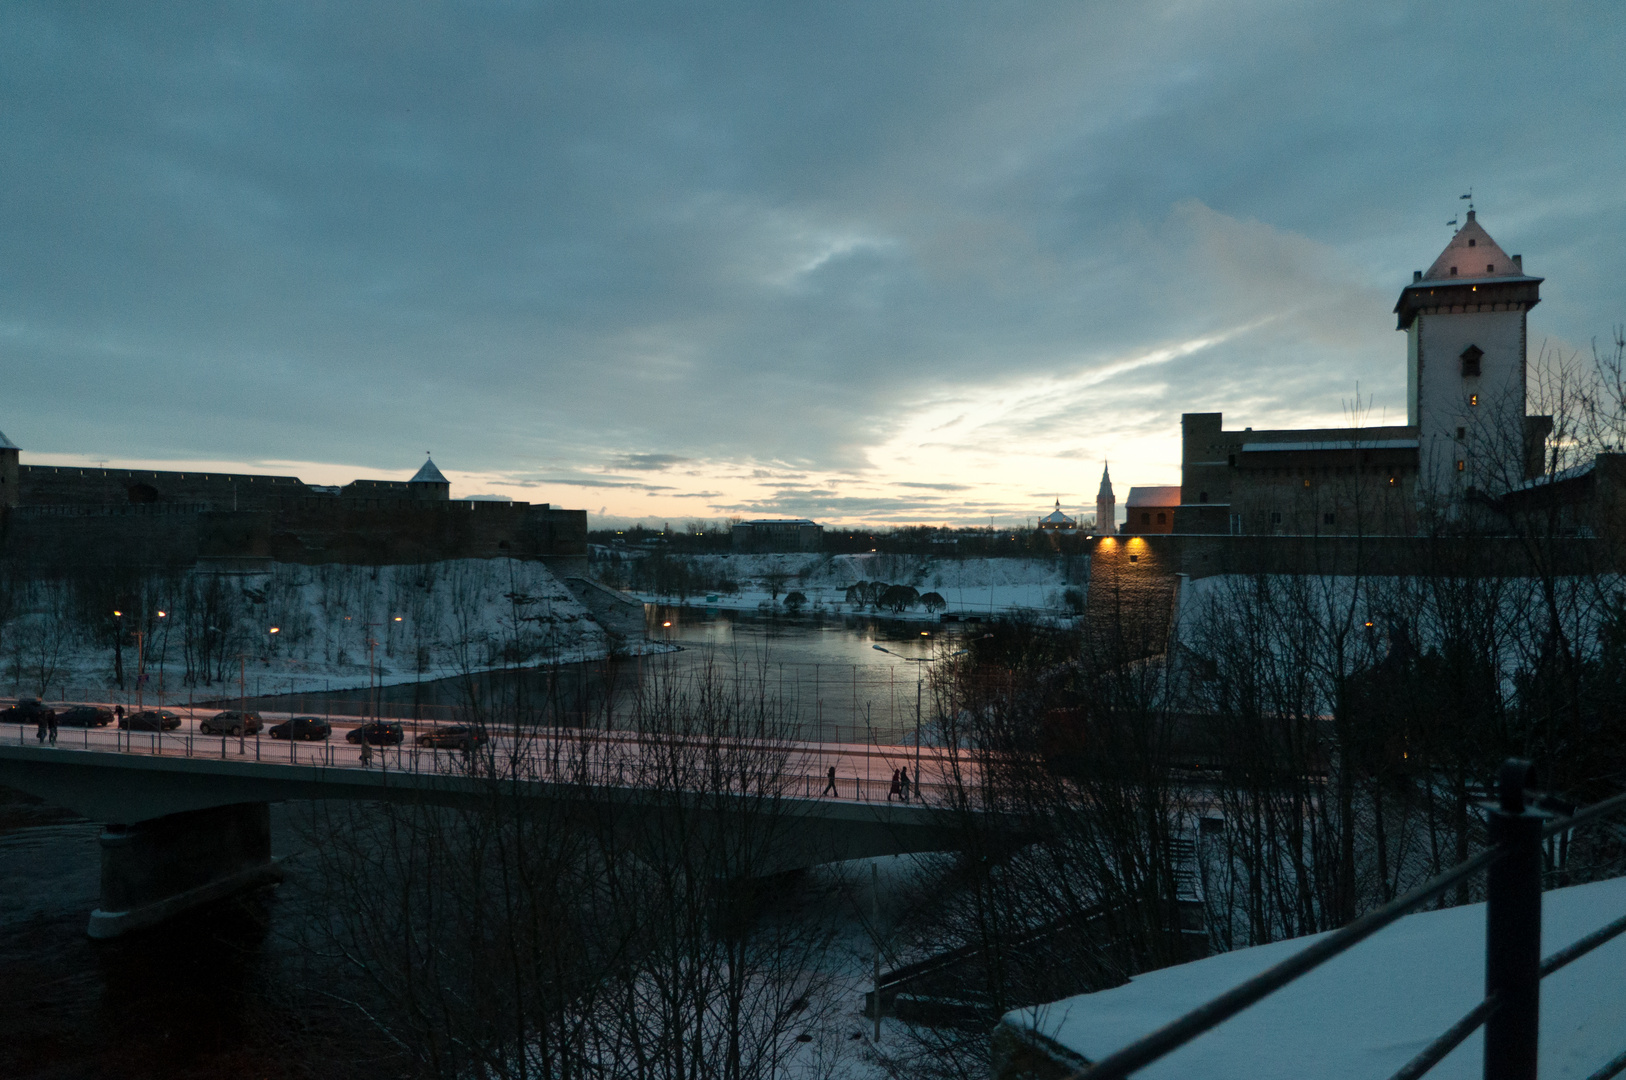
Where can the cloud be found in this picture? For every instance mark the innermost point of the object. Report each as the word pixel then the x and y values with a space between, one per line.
pixel 650 462
pixel 874 247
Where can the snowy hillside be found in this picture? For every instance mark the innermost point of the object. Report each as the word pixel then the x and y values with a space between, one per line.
pixel 299 628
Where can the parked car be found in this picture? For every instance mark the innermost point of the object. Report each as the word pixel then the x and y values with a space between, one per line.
pixel 377 733
pixel 231 722
pixel 85 716
pixel 28 710
pixel 151 720
pixel 309 728
pixel 454 736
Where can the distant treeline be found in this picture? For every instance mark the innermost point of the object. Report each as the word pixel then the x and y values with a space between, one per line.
pixel 702 537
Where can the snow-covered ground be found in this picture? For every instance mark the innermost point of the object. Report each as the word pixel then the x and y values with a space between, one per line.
pixel 966 585
pixel 303 629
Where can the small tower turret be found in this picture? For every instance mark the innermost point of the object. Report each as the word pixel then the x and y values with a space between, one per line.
pixel 429 484
pixel 1106 507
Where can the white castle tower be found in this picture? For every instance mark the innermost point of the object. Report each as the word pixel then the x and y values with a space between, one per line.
pixel 1465 365
pixel 1106 507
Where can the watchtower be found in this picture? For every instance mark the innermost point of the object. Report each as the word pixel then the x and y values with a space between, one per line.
pixel 1465 364
pixel 428 484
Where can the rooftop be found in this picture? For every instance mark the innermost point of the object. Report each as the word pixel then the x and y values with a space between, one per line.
pixel 1368 1011
pixel 428 474
pixel 7 444
pixel 1168 495
pixel 1472 254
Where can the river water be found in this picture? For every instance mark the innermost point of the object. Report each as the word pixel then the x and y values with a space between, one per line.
pixel 223 991
pixel 831 678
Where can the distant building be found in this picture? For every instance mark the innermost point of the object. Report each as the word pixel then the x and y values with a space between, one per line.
pixel 778 534
pixel 1056 521
pixel 1106 508
pixel 428 483
pixel 1151 509
pixel 8 471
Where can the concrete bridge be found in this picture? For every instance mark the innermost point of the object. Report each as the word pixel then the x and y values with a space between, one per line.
pixel 188 816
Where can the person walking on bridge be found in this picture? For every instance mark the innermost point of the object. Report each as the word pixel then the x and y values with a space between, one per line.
pixel 897 786
pixel 50 720
pixel 903 782
pixel 830 783
pixel 40 734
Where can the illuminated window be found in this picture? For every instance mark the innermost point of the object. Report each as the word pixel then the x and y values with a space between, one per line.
pixel 1307 483
pixel 1393 481
pixel 1473 399
pixel 1461 465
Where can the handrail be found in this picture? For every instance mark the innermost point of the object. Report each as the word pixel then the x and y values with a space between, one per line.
pixel 1514 777
pixel 1171 1036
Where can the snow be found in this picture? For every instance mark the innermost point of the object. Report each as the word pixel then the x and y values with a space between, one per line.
pixel 976 585
pixel 1368 1011
pixel 430 621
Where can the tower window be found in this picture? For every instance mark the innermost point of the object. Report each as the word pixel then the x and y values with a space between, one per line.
pixel 1203 497
pixel 1473 399
pixel 1160 518
pixel 1327 519
pixel 1470 361
pixel 1275 517
pixel 1453 271
pixel 1462 433
pixel 1146 519
pixel 1134 558
pixel 1470 241
pixel 1490 268
pixel 1461 465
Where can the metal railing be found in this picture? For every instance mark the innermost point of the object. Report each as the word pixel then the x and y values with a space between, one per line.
pixel 1511 1009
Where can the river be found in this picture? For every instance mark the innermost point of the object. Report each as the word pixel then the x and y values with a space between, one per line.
pixel 223 992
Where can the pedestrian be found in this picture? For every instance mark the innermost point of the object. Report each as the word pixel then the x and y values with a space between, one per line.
pixel 903 782
pixel 50 719
pixel 830 784
pixel 118 714
pixel 366 751
pixel 40 735
pixel 897 785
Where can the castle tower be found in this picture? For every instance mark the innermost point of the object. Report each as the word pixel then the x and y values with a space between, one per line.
pixel 1106 507
pixel 429 484
pixel 9 494
pixel 1465 364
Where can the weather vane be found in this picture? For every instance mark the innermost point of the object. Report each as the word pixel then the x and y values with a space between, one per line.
pixel 1470 197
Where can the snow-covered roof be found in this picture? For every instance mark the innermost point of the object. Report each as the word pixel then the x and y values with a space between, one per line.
pixel 1367 1011
pixel 1571 473
pixel 428 474
pixel 1332 444
pixel 1056 517
pixel 1154 496
pixel 7 444
pixel 1472 254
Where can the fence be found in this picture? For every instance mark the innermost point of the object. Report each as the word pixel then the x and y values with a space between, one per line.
pixel 1511 1009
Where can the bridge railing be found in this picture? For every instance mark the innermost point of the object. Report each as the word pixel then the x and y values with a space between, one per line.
pixel 1510 1012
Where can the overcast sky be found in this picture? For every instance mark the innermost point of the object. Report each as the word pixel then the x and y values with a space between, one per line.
pixel 871 262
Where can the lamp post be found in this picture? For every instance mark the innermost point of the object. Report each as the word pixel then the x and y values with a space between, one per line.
pixel 920 675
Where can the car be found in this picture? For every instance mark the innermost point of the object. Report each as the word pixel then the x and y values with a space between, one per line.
pixel 151 720
pixel 309 728
pixel 377 733
pixel 454 736
pixel 28 710
pixel 85 716
pixel 231 722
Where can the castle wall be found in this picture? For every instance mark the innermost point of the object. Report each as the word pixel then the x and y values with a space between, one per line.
pixel 53 485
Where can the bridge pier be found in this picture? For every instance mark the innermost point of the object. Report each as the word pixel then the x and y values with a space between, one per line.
pixel 154 870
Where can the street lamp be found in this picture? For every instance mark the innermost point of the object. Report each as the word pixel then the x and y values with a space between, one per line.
pixel 919 681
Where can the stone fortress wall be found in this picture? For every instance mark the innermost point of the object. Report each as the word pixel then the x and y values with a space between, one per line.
pixel 56 519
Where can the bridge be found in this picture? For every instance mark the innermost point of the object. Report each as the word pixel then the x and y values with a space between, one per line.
pixel 187 815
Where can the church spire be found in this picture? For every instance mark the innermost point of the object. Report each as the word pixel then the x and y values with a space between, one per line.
pixel 1106 507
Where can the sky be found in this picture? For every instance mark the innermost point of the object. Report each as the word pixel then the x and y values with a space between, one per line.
pixel 878 263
